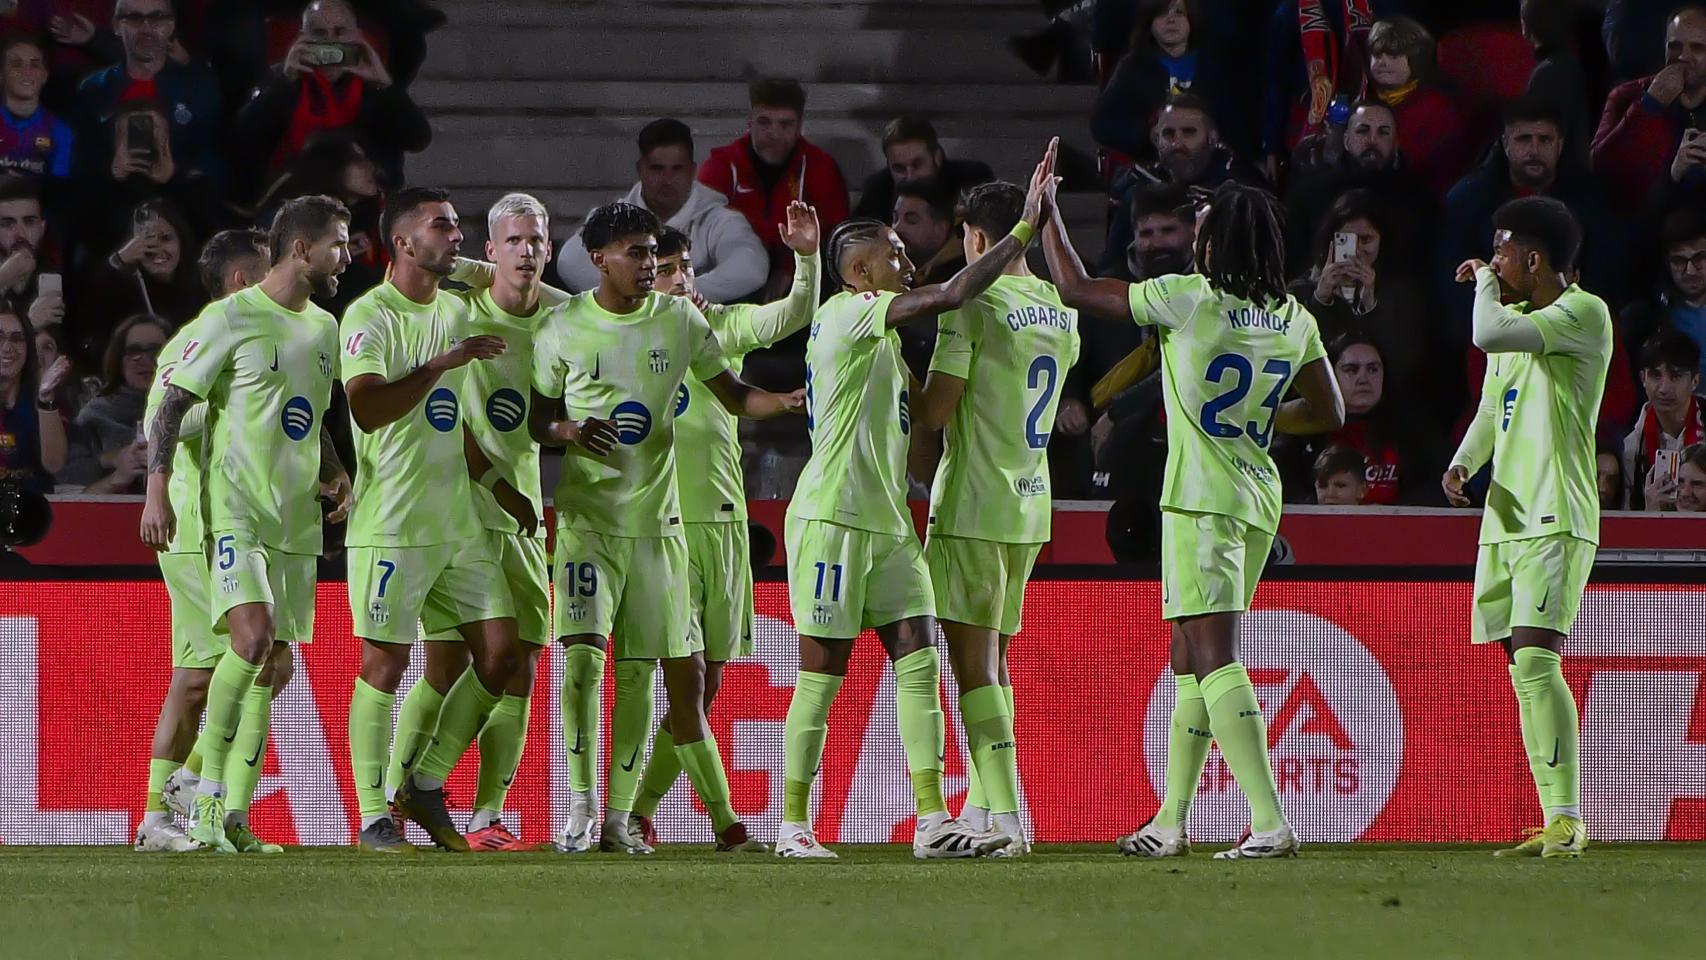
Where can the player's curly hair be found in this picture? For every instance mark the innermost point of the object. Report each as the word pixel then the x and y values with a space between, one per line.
pixel 672 242
pixel 1245 227
pixel 1543 224
pixel 613 221
pixel 848 237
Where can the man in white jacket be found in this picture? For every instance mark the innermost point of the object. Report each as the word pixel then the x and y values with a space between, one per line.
pixel 735 263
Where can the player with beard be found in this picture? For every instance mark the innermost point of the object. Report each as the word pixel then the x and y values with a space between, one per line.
pixel 264 363
pixel 415 545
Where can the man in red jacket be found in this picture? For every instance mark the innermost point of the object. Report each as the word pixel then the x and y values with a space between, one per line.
pixel 1644 120
pixel 771 166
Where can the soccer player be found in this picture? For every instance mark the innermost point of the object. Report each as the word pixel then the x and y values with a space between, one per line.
pixel 1233 343
pixel 713 493
pixel 263 359
pixel 994 384
pixel 608 369
pixel 231 261
pixel 512 304
pixel 1547 358
pixel 417 553
pixel 854 560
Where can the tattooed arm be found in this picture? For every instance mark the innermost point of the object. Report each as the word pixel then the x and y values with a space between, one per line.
pixel 159 523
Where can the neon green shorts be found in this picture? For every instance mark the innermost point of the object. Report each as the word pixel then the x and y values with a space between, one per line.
pixel 394 592
pixel 196 644
pixel 842 580
pixel 980 583
pixel 594 574
pixel 1529 583
pixel 522 560
pixel 719 589
pixel 244 571
pixel 1210 563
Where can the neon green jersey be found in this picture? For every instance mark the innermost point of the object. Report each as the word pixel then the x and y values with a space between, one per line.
pixel 1226 365
pixel 1011 345
pixel 1541 411
pixel 411 481
pixel 857 414
pixel 628 368
pixel 707 437
pixel 266 374
pixel 184 489
pixel 494 394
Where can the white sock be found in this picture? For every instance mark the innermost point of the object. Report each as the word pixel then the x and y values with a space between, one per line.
pixel 236 818
pixel 791 829
pixel 425 782
pixel 930 821
pixel 482 819
pixel 211 788
pixel 975 816
pixel 155 818
pixel 583 801
pixel 1010 824
pixel 370 821
pixel 186 776
pixel 1567 812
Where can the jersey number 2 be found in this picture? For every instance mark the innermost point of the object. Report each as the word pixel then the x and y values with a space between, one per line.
pixel 1236 364
pixel 1044 374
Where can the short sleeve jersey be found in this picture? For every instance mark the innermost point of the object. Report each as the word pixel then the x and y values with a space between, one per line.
pixel 1011 345
pixel 494 397
pixel 1226 365
pixel 628 368
pixel 858 416
pixel 184 489
pixel 411 482
pixel 266 373
pixel 1545 477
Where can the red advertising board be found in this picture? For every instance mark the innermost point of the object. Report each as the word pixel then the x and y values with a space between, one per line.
pixel 1386 724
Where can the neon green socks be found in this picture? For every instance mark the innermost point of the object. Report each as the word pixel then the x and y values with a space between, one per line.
pixel 1531 743
pixel 465 710
pixel 1552 708
pixel 989 738
pixel 704 766
pixel 918 713
pixel 369 745
pixel 661 772
pixel 249 750
pixel 803 735
pixel 1235 718
pixel 159 771
pixel 583 674
pixel 502 741
pixel 415 723
pixel 630 726
pixel 1188 741
pixel 226 691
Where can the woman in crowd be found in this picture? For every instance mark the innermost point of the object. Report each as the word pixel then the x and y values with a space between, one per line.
pixel 1432 133
pixel 153 272
pixel 1167 56
pixel 1691 480
pixel 109 453
pixel 32 432
pixel 53 343
pixel 335 165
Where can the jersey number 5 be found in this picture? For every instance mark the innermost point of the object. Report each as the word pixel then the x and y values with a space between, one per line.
pixel 1242 373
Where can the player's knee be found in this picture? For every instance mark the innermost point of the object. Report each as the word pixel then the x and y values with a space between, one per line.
pixel 189 688
pixel 382 665
pixel 713 683
pixel 282 664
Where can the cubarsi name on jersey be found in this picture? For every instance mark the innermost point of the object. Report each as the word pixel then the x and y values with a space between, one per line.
pixel 1034 316
pixel 1257 317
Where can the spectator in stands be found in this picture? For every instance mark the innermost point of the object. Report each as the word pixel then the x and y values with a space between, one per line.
pixel 1167 57
pixel 1341 477
pixel 912 153
pixel 1558 79
pixel 333 164
pixel 1681 302
pixel 1529 159
pixel 32 432
pixel 1634 35
pixel 1365 285
pixel 1433 132
pixel 1691 480
pixel 33 141
pixel 1163 230
pixel 772 165
pixel 1608 463
pixel 1670 420
pixel 109 452
pixel 924 218
pixel 150 273
pixel 24 255
pixel 729 261
pixel 1366 157
pixel 332 79
pixel 1645 120
pixel 74 389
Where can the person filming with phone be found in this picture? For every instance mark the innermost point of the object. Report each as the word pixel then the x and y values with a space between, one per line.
pixel 332 79
pixel 1670 421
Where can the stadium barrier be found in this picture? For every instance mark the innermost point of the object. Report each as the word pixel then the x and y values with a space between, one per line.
pixel 1386 724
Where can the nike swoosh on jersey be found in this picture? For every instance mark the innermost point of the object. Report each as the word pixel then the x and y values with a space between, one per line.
pixel 595 361
pixel 274 359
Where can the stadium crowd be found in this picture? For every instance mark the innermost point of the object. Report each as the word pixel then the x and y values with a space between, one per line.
pixel 136 130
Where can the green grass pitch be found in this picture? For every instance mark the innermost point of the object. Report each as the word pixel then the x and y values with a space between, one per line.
pixel 1065 902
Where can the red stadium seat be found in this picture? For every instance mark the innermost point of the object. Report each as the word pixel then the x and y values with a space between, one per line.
pixel 1487 61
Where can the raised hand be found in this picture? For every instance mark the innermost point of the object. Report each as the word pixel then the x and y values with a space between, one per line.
pixel 1467 269
pixel 800 229
pixel 1042 184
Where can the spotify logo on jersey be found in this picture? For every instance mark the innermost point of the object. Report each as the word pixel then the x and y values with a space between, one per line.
pixel 441 409
pixel 297 418
pixel 633 421
pixel 506 409
pixel 681 400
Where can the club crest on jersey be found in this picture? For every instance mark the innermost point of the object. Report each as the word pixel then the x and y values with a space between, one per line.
pixel 441 409
pixel 325 364
pixel 576 610
pixel 506 409
pixel 1510 408
pixel 659 360
pixel 821 614
pixel 352 346
pixel 377 613
pixel 633 421
pixel 297 418
pixel 681 400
